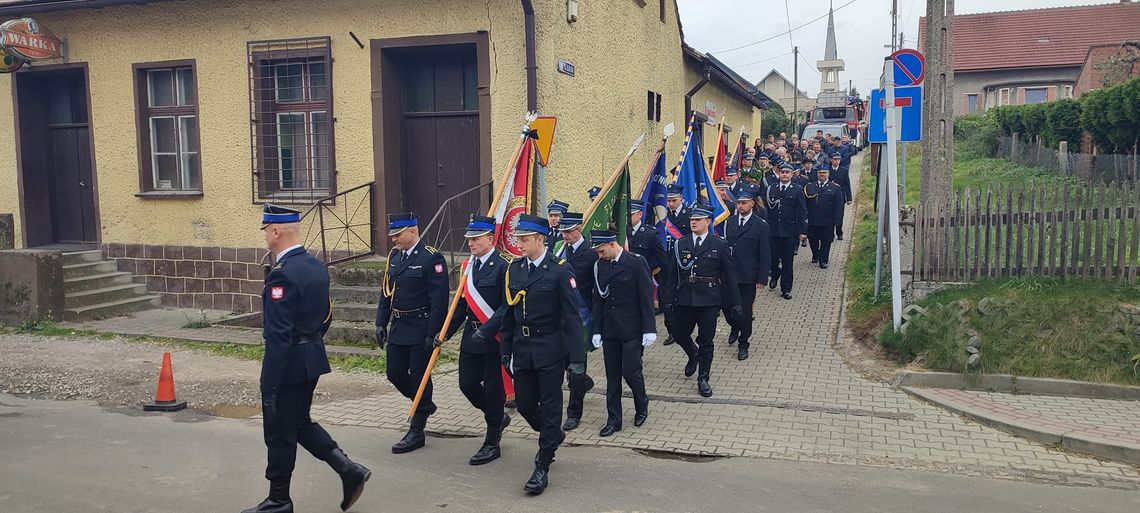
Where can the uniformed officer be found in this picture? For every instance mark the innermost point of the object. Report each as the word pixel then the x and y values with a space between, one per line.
pixel 414 299
pixel 576 251
pixel 643 239
pixel 479 315
pixel 554 213
pixel 824 208
pixel 542 331
pixel 678 216
pixel 787 210
pixel 594 192
pixel 807 169
pixel 623 324
pixel 732 175
pixel 296 313
pixel 839 175
pixel 700 281
pixel 747 235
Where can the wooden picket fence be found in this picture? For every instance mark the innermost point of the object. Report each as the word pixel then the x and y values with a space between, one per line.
pixel 1061 230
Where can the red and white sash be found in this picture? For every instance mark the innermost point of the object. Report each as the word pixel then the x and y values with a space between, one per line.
pixel 475 301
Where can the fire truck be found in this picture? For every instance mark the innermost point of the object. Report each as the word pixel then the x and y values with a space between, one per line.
pixel 836 107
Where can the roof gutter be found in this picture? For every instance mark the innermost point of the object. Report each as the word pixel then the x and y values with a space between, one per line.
pixel 531 59
pixel 39 6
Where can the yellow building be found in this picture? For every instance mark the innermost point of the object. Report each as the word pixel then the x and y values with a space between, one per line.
pixel 167 124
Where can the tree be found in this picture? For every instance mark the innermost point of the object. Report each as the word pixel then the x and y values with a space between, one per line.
pixel 774 121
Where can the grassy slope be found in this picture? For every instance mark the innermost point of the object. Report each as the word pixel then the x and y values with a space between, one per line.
pixel 1071 329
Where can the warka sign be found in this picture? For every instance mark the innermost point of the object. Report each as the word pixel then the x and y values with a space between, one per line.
pixel 25 40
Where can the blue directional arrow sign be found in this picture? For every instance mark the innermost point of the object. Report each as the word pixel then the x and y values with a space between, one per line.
pixel 909 103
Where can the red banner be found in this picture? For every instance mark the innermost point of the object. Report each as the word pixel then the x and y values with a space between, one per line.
pixel 516 198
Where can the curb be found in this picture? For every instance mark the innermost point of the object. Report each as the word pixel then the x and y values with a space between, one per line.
pixel 1008 384
pixel 1075 442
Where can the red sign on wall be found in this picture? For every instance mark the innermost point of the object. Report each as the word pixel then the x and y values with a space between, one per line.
pixel 27 39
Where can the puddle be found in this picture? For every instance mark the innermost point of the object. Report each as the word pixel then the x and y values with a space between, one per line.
pixel 669 455
pixel 234 411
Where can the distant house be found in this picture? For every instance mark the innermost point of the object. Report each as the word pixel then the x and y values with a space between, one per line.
pixel 1108 65
pixel 784 92
pixel 1032 55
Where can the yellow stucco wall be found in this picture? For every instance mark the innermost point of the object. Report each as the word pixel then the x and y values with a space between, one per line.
pixel 735 110
pixel 215 33
pixel 9 192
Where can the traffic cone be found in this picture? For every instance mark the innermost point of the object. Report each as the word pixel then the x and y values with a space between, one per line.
pixel 164 398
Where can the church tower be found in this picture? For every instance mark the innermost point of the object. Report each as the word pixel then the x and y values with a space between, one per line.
pixel 831 64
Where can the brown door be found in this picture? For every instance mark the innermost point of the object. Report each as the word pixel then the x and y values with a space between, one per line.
pixel 441 138
pixel 56 164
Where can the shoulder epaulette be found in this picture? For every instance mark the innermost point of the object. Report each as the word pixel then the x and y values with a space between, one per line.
pixel 431 250
pixel 561 261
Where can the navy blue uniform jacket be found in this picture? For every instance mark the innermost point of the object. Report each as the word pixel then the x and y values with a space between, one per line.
pixel 421 289
pixel 296 313
pixel 549 311
pixel 626 312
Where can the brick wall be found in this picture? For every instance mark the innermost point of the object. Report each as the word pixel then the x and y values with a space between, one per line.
pixel 195 276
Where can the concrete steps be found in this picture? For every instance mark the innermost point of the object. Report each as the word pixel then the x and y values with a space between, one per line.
pixel 95 289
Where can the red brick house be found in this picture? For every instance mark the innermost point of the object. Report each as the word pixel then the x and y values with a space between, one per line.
pixel 1031 55
pixel 1109 65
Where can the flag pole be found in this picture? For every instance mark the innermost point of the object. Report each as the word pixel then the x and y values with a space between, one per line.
pixel 613 176
pixel 653 163
pixel 525 133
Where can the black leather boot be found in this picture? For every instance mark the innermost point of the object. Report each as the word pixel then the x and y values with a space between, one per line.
pixel 691 365
pixel 540 478
pixel 414 438
pixel 278 500
pixel 733 335
pixel 703 385
pixel 352 477
pixel 490 450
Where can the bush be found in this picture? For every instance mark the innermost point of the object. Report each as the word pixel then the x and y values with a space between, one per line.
pixel 977 134
pixel 1112 117
pixel 774 121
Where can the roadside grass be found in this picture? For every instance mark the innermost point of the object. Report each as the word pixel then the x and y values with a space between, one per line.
pixel 1071 329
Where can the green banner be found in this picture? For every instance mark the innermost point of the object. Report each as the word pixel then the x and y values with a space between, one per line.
pixel 610 210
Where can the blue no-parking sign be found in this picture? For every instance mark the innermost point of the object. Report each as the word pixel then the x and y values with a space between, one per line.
pixel 909 66
pixel 909 103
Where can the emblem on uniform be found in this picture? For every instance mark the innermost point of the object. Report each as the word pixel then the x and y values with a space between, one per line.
pixel 573 284
pixel 277 292
pixel 439 268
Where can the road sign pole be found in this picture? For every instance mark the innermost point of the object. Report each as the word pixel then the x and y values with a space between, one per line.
pixel 902 164
pixel 883 197
pixel 891 126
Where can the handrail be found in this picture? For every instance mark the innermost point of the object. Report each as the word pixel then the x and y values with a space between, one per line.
pixel 346 225
pixel 443 206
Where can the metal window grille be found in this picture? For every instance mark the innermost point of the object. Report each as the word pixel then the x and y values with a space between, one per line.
pixel 292 146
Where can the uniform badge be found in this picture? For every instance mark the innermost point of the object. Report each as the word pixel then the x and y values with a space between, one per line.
pixel 439 268
pixel 573 284
pixel 277 292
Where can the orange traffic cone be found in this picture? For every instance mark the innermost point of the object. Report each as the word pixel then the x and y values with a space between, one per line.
pixel 164 398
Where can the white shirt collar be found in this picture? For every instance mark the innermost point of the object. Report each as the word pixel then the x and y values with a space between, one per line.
pixel 483 259
pixel 619 254
pixel 745 218
pixel 277 257
pixel 538 262
pixel 575 245
pixel 636 227
pixel 697 238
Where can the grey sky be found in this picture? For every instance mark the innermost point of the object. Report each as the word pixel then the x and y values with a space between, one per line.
pixel 861 29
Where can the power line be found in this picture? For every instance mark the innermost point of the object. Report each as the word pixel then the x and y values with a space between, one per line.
pixel 754 43
pixel 763 60
pixel 810 65
pixel 788 15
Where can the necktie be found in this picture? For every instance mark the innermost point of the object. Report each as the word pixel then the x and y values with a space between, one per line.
pixel 741 222
pixel 699 241
pixel 533 267
pixel 478 264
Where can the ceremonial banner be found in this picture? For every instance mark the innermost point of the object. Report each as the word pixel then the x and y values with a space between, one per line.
pixel 654 199
pixel 698 183
pixel 513 203
pixel 610 210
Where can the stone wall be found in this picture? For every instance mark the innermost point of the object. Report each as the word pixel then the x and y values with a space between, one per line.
pixel 31 285
pixel 211 277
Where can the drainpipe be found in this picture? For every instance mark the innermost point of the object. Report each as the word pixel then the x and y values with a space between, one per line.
pixel 531 60
pixel 689 95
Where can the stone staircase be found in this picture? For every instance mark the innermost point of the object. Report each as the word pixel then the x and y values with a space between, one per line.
pixel 94 288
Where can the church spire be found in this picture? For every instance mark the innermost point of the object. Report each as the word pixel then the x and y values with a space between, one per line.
pixel 829 53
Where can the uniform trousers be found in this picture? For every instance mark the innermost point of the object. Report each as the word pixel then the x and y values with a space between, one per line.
pixel 782 249
pixel 286 422
pixel 481 381
pixel 538 394
pixel 747 300
pixel 685 318
pixel 623 361
pixel 406 366
pixel 819 238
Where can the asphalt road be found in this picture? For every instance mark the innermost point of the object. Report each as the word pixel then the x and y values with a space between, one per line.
pixel 78 457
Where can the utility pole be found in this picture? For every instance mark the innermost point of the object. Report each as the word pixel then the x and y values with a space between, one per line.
pixel 795 87
pixel 938 103
pixel 894 25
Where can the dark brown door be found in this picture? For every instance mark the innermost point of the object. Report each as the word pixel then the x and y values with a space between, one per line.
pixel 56 166
pixel 441 138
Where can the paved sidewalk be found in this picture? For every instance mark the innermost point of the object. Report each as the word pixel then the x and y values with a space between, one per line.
pixel 794 399
pixel 1105 428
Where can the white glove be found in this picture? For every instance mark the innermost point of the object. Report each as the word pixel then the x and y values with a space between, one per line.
pixel 647 339
pixel 597 341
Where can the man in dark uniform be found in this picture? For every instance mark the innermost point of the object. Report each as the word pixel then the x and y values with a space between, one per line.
pixel 839 175
pixel 296 313
pixel 747 235
pixel 480 315
pixel 732 175
pixel 807 169
pixel 678 216
pixel 787 210
pixel 414 299
pixel 643 239
pixel 594 192
pixel 825 208
pixel 554 213
pixel 700 281
pixel 623 324
pixel 542 331
pixel 575 250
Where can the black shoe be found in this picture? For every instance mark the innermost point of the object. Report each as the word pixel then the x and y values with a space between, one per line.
pixel 773 283
pixel 609 430
pixel 796 251
pixel 691 366
pixel 704 387
pixel 840 237
pixel 570 424
pixel 742 353
pixel 803 243
pixel 786 295
pixel 413 440
pixel 732 336
pixel 814 260
pixel 352 477
pixel 278 500
pixel 823 265
pixel 538 481
pixel 506 422
pixel 510 404
pixel 639 418
pixel 668 341
pixel 486 454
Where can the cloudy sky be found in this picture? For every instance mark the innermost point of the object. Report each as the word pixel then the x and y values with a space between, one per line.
pixel 862 28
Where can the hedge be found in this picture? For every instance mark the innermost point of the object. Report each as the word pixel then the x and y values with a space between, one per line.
pixel 1111 116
